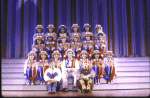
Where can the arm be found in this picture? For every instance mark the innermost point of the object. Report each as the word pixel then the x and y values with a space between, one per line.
pixel 46 78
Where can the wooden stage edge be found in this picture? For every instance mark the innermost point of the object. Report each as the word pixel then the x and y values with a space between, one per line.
pixel 111 93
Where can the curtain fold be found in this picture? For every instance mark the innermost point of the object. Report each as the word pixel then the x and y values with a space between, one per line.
pixel 126 23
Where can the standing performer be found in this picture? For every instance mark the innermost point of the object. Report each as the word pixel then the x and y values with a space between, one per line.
pixel 52 76
pixel 57 59
pixel 74 30
pixel 42 66
pixel 30 69
pixel 50 40
pixel 109 69
pixel 38 46
pixel 86 28
pixel 76 45
pixel 70 68
pixel 100 44
pixel 39 32
pixel 88 43
pixel 63 45
pixel 97 63
pixel 84 59
pixel 85 82
pixel 62 30
pixel 99 29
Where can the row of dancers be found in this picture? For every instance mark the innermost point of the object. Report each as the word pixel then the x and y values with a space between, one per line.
pixel 85 72
pixel 63 40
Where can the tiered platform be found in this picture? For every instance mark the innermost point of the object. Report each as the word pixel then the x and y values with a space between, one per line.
pixel 133 73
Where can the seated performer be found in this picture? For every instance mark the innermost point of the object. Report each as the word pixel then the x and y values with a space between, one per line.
pixel 88 43
pixel 70 68
pixel 74 30
pixel 38 46
pixel 63 45
pixel 85 82
pixel 39 32
pixel 30 68
pixel 52 76
pixel 42 66
pixel 57 59
pixel 62 30
pixel 50 40
pixel 86 28
pixel 97 63
pixel 109 69
pixel 84 59
pixel 76 45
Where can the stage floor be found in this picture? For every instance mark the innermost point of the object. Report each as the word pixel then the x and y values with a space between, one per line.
pixel 112 93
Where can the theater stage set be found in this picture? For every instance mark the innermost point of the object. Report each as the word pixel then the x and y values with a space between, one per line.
pixel 126 24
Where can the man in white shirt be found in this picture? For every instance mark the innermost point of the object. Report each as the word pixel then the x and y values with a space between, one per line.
pixel 52 76
pixel 70 68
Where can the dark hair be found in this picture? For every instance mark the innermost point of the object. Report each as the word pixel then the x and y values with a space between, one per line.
pixel 42 41
pixel 58 34
pixel 90 29
pixel 100 34
pixel 37 31
pixel 49 37
pixel 100 57
pixel 73 30
pixel 74 41
pixel 91 38
pixel 45 58
pixel 52 60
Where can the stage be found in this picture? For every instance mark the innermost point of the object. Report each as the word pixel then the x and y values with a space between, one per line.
pixel 133 79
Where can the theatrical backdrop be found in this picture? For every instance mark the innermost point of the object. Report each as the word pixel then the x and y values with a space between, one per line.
pixel 126 23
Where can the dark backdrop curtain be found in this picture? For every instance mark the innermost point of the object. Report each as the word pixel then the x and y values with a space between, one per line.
pixel 126 23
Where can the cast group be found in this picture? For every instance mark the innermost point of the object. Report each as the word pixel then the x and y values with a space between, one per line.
pixel 56 58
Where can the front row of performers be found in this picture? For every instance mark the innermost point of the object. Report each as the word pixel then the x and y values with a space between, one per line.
pixel 55 72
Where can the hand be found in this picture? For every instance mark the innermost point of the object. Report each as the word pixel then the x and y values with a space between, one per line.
pixel 50 81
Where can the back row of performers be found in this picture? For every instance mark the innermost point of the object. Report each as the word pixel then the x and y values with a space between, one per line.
pixel 63 40
pixel 56 71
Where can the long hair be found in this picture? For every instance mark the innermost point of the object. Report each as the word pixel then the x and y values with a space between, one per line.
pixel 42 42
pixel 58 34
pixel 45 58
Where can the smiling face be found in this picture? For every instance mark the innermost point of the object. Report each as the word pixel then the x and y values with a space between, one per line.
pixel 50 38
pixel 70 54
pixel 109 56
pixel 56 56
pixel 43 56
pixel 50 30
pixel 39 41
pixel 87 38
pixel 100 37
pixel 84 56
pixel 75 39
pixel 75 29
pixel 39 30
pixel 63 40
pixel 87 29
pixel 31 57
pixel 96 56
pixel 62 29
pixel 52 65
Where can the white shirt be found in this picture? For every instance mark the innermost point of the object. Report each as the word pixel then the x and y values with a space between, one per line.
pixel 49 70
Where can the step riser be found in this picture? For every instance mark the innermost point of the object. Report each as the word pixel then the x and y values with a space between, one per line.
pixel 120 74
pixel 116 80
pixel 117 69
pixel 96 87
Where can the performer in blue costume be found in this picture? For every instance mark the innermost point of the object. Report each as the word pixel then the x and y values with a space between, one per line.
pixel 109 69
pixel 52 76
pixel 30 68
pixel 42 66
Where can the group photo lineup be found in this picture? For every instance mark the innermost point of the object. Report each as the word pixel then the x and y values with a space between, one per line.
pixel 75 48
